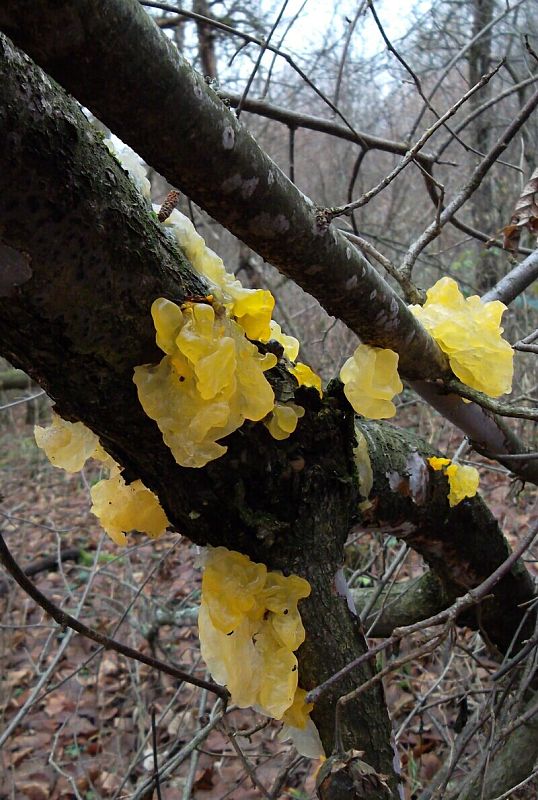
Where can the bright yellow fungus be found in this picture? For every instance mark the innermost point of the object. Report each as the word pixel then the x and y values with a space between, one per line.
pixel 67 445
pixel 298 714
pixel 250 626
pixel 283 421
pixel 371 380
pixel 119 508
pixel 462 480
pixel 252 308
pixel 209 382
pixel 438 463
pixel 306 376
pixel 289 343
pixel 470 333
pixel 211 378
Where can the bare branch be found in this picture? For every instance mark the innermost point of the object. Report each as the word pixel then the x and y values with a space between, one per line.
pixel 65 620
pixel 447 616
pixel 434 229
pixel 412 152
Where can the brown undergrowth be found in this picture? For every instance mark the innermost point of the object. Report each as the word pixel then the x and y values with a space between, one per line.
pixel 77 720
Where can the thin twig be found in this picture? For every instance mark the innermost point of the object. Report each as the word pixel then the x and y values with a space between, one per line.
pixel 261 54
pixel 412 152
pixel 244 760
pixel 156 777
pixel 251 40
pixel 449 615
pixel 441 77
pixel 480 171
pixel 67 621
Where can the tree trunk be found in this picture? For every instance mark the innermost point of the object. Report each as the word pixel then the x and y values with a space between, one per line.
pixel 482 202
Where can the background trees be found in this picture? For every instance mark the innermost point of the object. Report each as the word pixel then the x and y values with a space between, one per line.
pixel 71 217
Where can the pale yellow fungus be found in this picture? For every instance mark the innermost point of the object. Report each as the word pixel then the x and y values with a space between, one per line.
pixel 211 379
pixel 132 164
pixel 462 480
pixel 209 382
pixel 470 333
pixel 250 626
pixel 371 380
pixel 252 308
pixel 289 343
pixel 119 508
pixel 298 714
pixel 283 420
pixel 67 445
pixel 306 376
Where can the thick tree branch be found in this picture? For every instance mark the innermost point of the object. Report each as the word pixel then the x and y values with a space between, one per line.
pixel 65 620
pixel 462 545
pixel 299 120
pixel 189 136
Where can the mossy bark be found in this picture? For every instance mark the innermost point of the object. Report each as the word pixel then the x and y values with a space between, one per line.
pixel 462 545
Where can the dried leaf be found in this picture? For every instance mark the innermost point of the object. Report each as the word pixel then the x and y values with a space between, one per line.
pixel 525 214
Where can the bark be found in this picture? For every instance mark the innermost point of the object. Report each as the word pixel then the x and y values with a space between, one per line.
pixel 513 760
pixel 403 603
pixel 77 321
pixel 462 545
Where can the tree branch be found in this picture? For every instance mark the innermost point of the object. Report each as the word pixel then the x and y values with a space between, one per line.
pixel 65 620
pixel 188 135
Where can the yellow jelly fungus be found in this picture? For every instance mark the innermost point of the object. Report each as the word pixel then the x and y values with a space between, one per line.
pixel 121 508
pixel 132 164
pixel 250 626
pixel 283 421
pixel 306 376
pixel 67 445
pixel 289 343
pixel 230 585
pixel 209 382
pixel 462 480
pixel 252 308
pixel 298 714
pixel 438 463
pixel 469 332
pixel 371 380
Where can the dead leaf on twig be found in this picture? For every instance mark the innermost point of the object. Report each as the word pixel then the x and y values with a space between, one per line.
pixel 525 214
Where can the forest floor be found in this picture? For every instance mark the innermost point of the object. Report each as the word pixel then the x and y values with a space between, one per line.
pixel 77 720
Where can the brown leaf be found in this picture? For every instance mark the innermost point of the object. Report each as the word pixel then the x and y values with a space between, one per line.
pixel 204 780
pixel 525 214
pixel 35 788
